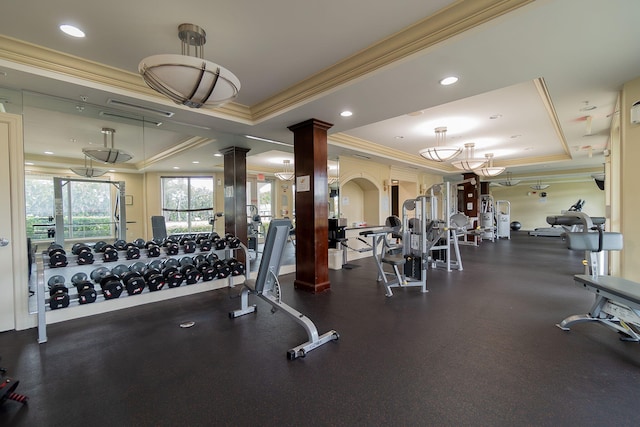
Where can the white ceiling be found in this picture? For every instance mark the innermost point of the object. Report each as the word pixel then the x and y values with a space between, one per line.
pixel 537 67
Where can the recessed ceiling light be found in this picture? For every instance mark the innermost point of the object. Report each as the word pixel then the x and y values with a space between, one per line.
pixel 112 170
pixel 195 162
pixel 48 152
pixel 346 113
pixel 176 167
pixel 398 137
pixel 217 155
pixel 72 31
pixel 448 80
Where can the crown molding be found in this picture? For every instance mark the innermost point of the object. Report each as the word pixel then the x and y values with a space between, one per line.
pixel 366 147
pixel 446 23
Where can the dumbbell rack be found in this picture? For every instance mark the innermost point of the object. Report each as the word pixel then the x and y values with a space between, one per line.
pixel 75 310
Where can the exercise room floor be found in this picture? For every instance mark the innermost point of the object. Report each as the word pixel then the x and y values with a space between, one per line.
pixel 479 349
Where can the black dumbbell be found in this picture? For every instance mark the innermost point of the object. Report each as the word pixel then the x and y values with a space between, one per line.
pixel 220 244
pixel 189 246
pixel 222 269
pixel 109 254
pixel 212 258
pixel 200 237
pixel 133 252
pixel 111 286
pixel 206 245
pixel 207 271
pixel 191 274
pixel 119 270
pixel 58 292
pixel 75 249
pixel 184 238
pixel 97 274
pixel 83 253
pixel 172 248
pixel 172 277
pixel 99 246
pixel 86 291
pixel 199 259
pixel 156 263
pixel 85 257
pixel 138 267
pixel 171 262
pixel 172 239
pixel 133 282
pixel 153 251
pixel 140 243
pixel 233 243
pixel 57 256
pixel 237 268
pixel 155 279
pixel 185 260
pixel 120 245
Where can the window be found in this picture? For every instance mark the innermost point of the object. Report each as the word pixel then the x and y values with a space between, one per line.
pixel 187 203
pixel 265 199
pixel 86 208
pixel 39 206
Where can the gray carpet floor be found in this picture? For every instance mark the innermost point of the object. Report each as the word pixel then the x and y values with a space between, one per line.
pixel 479 349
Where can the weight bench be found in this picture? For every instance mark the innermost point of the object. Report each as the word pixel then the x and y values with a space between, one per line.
pixel 617 303
pixel 267 287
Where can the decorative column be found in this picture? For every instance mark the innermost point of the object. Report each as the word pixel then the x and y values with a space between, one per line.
pixel 312 198
pixel 470 198
pixel 235 194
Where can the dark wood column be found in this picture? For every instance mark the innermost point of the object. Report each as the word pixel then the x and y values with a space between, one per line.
pixel 235 194
pixel 471 198
pixel 312 211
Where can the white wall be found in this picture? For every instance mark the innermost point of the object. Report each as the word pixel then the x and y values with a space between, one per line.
pixel 531 210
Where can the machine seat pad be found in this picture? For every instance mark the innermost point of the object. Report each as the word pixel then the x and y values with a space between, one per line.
pixel 572 220
pixel 624 289
pixel 589 241
pixel 394 259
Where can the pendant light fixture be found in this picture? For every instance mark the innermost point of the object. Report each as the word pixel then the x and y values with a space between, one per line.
pixel 107 154
pixel 539 186
pixel 287 173
pixel 469 163
pixel 488 169
pixel 440 152
pixel 190 80
pixel 509 182
pixel 88 171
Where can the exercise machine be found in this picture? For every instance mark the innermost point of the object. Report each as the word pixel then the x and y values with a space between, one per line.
pixel 443 210
pixel 557 229
pixel 420 233
pixel 503 219
pixel 487 217
pixel 267 287
pixel 617 303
